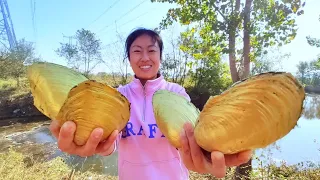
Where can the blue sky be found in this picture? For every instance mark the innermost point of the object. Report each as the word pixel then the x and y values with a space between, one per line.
pixel 53 19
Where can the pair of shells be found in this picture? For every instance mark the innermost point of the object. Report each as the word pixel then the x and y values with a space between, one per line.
pixel 251 114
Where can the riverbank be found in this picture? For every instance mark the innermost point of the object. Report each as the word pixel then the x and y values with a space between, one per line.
pixel 19 110
pixel 16 103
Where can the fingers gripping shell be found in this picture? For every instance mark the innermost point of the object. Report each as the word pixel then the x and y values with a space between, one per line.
pixel 251 114
pixel 50 84
pixel 91 104
pixel 171 111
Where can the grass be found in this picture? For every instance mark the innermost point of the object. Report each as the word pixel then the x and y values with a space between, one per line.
pixel 9 89
pixel 15 165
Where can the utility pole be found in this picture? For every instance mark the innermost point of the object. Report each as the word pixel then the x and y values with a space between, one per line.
pixel 6 27
pixel 69 39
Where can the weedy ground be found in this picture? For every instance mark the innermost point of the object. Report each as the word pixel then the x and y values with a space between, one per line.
pixel 14 166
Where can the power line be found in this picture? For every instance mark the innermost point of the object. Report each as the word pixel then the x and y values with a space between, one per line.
pixel 137 17
pixel 123 15
pixel 69 39
pixel 104 12
pixel 33 11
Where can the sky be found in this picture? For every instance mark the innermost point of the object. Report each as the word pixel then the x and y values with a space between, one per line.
pixel 47 22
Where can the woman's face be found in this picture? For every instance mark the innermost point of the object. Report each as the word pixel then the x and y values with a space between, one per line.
pixel 145 57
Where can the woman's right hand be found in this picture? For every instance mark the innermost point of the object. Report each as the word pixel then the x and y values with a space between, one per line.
pixel 94 145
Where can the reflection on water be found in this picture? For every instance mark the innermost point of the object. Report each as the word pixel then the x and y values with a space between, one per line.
pixel 301 144
pixel 312 107
pixel 39 135
pixel 105 165
pixel 28 141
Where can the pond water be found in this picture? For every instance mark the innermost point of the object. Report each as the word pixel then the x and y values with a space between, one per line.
pixel 35 139
pixel 301 144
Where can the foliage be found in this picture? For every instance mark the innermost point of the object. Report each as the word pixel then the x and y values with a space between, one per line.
pixel 313 41
pixel 10 89
pixel 13 61
pixel 85 55
pixel 265 23
pixel 212 78
pixel 270 61
pixel 309 73
pixel 174 66
pixel 193 59
pixel 115 60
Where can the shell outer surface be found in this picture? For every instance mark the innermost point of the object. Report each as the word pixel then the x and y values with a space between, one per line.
pixel 171 111
pixel 50 84
pixel 92 104
pixel 251 114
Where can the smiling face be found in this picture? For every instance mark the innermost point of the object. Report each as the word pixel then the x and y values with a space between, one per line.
pixel 145 57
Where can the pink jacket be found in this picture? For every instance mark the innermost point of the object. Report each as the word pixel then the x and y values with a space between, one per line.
pixel 144 152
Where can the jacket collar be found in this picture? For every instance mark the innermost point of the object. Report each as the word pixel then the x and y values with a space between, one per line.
pixel 150 86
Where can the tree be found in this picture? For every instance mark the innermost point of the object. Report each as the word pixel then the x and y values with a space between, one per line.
pixel 116 60
pixel 219 23
pixel 13 61
pixel 85 54
pixel 308 73
pixel 174 65
pixel 263 23
pixel 270 61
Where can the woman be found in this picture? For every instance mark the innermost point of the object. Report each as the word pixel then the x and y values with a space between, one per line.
pixel 144 153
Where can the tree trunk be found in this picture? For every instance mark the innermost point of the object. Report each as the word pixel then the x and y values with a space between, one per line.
pixel 232 57
pixel 232 43
pixel 184 70
pixel 246 39
pixel 243 171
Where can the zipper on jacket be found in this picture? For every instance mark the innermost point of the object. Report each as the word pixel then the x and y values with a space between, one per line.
pixel 144 103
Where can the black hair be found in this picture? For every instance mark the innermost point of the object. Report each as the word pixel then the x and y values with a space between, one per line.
pixel 143 31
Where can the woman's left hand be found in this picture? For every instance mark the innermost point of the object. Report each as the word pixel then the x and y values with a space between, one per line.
pixel 195 160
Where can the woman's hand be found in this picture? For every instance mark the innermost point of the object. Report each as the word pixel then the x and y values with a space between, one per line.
pixel 195 160
pixel 94 145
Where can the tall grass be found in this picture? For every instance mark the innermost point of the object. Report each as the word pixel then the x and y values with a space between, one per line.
pixel 10 90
